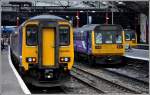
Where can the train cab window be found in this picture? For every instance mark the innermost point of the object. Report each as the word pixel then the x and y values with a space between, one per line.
pixel 133 36
pixel 108 37
pixel 118 38
pixel 127 36
pixel 64 35
pixel 98 37
pixel 31 35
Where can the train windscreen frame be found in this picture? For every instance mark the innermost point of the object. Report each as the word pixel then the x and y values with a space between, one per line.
pixel 108 37
pixel 114 34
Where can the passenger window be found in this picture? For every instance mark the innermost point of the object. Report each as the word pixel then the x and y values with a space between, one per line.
pixel 133 36
pixel 31 35
pixel 64 35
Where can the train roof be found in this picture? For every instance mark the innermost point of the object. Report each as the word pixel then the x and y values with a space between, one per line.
pixel 46 17
pixel 42 17
pixel 129 30
pixel 93 26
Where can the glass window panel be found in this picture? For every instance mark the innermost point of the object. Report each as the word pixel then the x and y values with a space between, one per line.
pixel 31 35
pixel 127 36
pixel 98 37
pixel 118 38
pixel 108 37
pixel 64 35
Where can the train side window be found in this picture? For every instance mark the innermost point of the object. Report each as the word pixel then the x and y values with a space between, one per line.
pixel 31 35
pixel 133 36
pixel 64 35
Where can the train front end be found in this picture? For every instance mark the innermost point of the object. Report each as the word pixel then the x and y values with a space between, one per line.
pixel 108 44
pixel 47 51
pixel 130 38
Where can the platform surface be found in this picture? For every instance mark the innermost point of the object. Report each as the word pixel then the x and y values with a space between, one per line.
pixel 10 84
pixel 138 54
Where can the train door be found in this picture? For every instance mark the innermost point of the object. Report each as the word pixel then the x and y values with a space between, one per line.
pixel 48 46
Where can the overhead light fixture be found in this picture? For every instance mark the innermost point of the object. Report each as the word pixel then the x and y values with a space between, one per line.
pixel 77 17
pixel 67 16
pixel 93 11
pixel 104 2
pixel 107 17
pixel 120 2
pixel 81 11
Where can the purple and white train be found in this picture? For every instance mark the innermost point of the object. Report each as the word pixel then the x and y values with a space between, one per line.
pixel 99 43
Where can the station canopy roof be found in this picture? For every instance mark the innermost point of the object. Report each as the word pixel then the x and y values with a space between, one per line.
pixel 116 6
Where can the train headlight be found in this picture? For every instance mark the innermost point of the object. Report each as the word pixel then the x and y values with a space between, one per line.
pixel 64 59
pixel 30 59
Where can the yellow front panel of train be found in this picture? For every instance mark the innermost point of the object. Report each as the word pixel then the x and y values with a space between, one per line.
pixel 107 49
pixel 48 47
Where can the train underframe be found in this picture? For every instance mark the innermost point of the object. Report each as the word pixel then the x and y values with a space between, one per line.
pixel 100 59
pixel 43 77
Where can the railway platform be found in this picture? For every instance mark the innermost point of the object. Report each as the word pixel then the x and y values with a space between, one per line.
pixel 11 84
pixel 138 54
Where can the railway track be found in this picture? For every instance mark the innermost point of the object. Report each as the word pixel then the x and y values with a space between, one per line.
pixel 127 76
pixel 104 85
pixel 88 84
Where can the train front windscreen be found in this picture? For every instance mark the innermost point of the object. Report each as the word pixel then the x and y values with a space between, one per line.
pixel 108 36
pixel 130 35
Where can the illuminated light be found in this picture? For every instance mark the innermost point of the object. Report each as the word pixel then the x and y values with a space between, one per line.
pixel 77 17
pixel 67 16
pixel 81 31
pixel 120 2
pixel 104 2
pixel 93 11
pixel 33 59
pixel 48 76
pixel 81 11
pixel 17 18
pixel 65 68
pixel 62 59
pixel 66 59
pixel 30 59
pixel 107 17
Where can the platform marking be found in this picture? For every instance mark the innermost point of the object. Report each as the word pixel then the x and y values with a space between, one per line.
pixel 147 59
pixel 21 82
